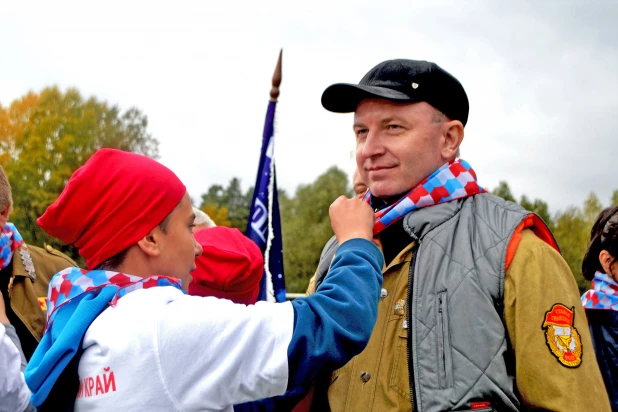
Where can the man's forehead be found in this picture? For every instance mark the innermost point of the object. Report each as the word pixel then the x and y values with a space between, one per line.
pixel 385 108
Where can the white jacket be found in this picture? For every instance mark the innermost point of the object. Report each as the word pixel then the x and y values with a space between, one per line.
pixel 244 348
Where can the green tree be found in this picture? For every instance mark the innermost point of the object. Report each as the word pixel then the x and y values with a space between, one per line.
pixel 306 225
pixel 504 191
pixel 539 207
pixel 572 232
pixel 46 136
pixel 233 199
pixel 614 199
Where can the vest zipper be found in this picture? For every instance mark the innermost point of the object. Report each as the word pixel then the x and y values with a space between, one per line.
pixel 444 342
pixel 408 320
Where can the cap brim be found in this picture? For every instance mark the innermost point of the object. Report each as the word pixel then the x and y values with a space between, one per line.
pixel 344 97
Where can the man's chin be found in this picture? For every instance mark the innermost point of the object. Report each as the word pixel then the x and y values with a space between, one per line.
pixel 387 193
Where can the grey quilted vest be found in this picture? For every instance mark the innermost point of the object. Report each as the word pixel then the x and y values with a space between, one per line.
pixel 457 340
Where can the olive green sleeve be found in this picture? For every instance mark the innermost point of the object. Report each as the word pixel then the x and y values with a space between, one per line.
pixel 541 299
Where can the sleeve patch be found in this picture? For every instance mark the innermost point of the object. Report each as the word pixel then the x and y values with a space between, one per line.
pixel 562 337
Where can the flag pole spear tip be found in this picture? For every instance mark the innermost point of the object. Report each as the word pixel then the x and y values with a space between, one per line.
pixel 274 92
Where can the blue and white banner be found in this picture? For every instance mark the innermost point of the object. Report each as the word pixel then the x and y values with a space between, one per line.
pixel 264 226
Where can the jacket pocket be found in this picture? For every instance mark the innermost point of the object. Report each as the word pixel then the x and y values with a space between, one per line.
pixel 445 362
pixel 399 380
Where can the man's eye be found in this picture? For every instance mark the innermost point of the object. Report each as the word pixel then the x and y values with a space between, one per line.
pixel 361 132
pixel 393 127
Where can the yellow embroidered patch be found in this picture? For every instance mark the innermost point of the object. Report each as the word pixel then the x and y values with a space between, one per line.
pixel 43 304
pixel 562 338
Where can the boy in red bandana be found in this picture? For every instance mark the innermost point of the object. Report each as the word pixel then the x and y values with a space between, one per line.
pixel 123 336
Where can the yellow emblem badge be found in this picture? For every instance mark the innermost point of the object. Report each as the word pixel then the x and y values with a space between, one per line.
pixel 562 337
pixel 43 304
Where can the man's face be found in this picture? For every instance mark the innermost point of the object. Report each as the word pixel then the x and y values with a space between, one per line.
pixel 397 145
pixel 178 246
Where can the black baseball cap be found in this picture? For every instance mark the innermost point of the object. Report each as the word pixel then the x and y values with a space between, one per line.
pixel 402 81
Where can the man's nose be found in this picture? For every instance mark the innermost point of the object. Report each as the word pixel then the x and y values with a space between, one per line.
pixel 373 145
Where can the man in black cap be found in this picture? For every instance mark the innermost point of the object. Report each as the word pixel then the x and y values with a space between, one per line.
pixel 479 311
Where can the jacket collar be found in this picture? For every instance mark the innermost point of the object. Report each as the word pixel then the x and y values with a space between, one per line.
pixel 421 221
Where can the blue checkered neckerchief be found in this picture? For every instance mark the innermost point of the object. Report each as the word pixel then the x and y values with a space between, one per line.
pixel 453 180
pixel 10 241
pixel 74 283
pixel 603 295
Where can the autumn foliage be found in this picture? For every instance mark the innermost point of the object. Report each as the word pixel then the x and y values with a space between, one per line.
pixel 46 136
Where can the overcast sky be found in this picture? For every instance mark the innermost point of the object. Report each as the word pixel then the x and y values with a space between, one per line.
pixel 541 77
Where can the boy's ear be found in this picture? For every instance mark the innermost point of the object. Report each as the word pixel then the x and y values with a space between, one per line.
pixel 151 243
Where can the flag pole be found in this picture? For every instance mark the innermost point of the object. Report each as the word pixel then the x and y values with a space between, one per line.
pixel 274 92
pixel 264 226
pixel 272 189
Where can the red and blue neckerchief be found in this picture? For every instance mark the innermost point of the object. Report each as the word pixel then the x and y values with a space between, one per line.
pixel 10 241
pixel 603 295
pixel 454 180
pixel 73 283
pixel 76 298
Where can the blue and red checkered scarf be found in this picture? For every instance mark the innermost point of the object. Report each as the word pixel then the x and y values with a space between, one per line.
pixel 75 298
pixel 73 283
pixel 10 241
pixel 454 180
pixel 603 295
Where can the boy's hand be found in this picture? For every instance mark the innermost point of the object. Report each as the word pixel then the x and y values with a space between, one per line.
pixel 351 218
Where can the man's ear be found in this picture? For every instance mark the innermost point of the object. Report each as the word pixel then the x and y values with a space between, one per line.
pixel 4 216
pixel 151 243
pixel 452 137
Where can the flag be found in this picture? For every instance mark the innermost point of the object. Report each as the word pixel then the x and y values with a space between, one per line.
pixel 264 226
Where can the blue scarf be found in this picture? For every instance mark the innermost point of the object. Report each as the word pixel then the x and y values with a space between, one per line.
pixel 76 297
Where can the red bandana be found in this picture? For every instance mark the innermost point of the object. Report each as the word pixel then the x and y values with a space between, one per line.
pixel 111 202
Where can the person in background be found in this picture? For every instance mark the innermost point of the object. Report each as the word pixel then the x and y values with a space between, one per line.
pixel 600 265
pixel 358 185
pixel 330 248
pixel 14 394
pixel 202 220
pixel 230 266
pixel 25 271
pixel 123 335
